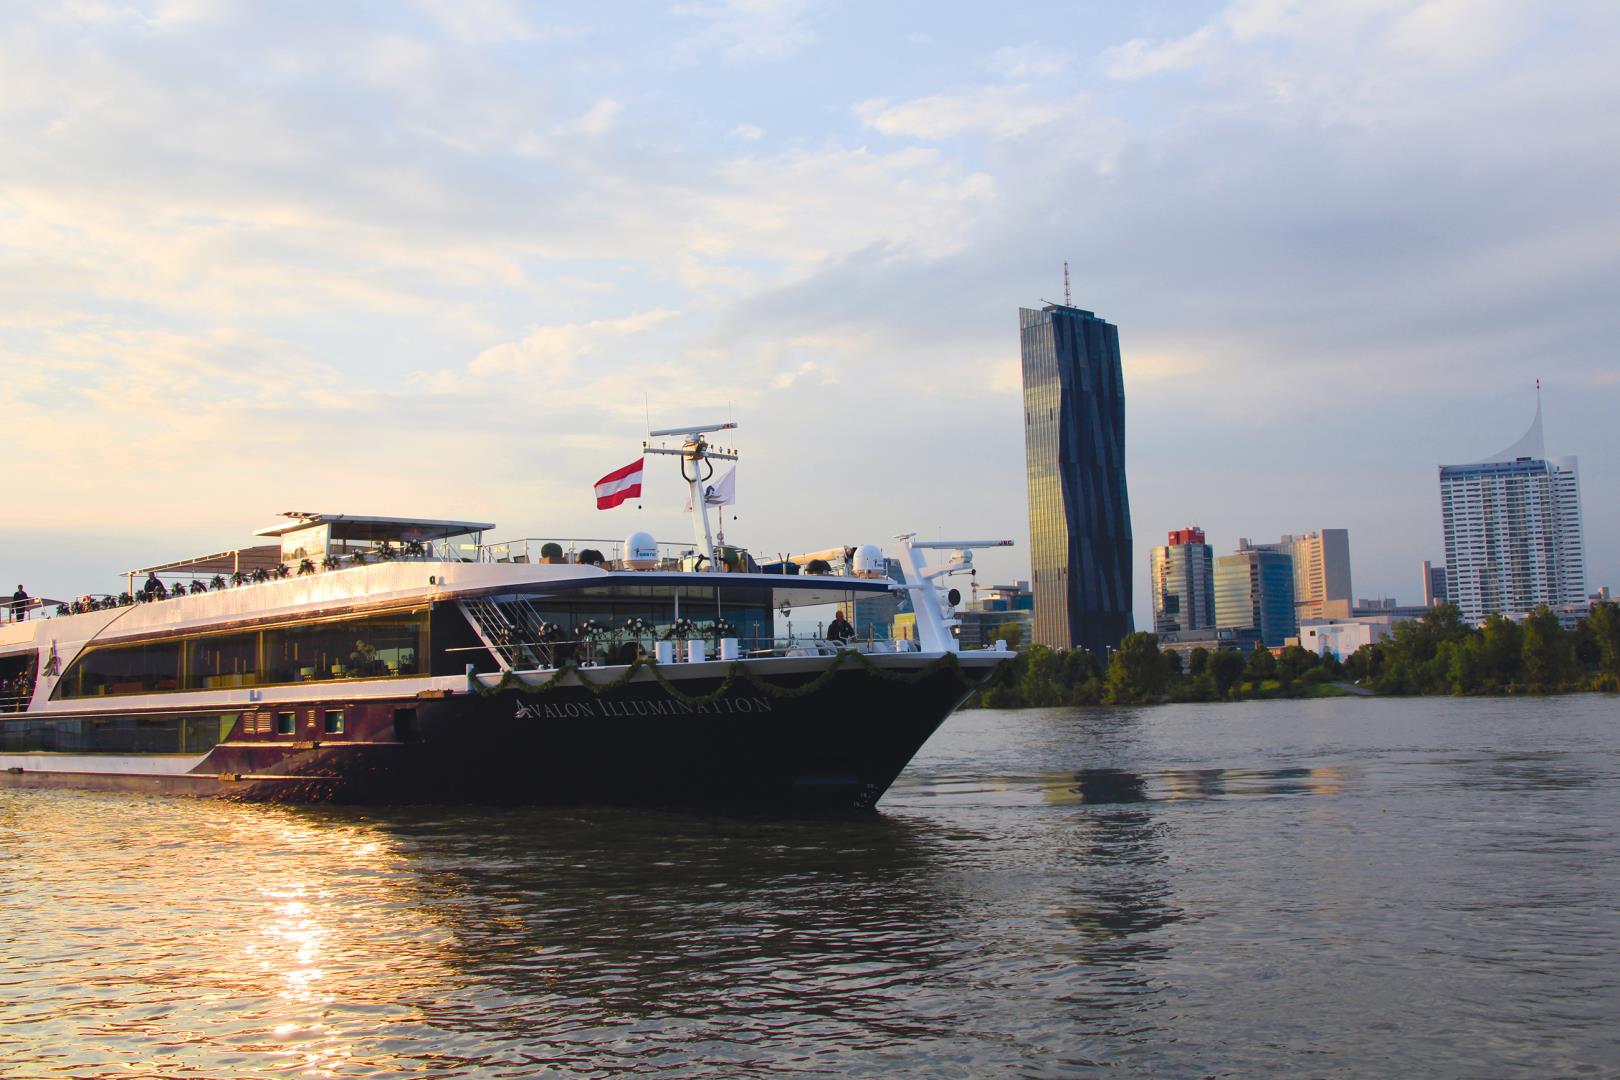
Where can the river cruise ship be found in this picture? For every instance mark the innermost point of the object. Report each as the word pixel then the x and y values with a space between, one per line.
pixel 378 659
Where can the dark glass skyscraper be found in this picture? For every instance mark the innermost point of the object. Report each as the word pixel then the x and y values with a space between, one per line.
pixel 1074 446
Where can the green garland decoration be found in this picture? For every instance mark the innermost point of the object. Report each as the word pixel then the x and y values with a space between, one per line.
pixel 511 682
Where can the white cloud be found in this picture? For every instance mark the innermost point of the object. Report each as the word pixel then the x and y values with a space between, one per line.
pixel 599 118
pixel 747 132
pixel 1029 61
pixel 1139 58
pixel 479 21
pixel 997 111
pixel 554 352
pixel 752 29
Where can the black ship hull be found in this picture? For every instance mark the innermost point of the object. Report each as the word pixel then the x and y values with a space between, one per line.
pixel 814 740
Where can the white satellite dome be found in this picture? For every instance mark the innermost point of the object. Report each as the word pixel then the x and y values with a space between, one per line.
pixel 869 562
pixel 641 551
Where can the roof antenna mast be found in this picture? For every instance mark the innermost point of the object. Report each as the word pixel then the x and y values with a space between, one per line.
pixel 1066 301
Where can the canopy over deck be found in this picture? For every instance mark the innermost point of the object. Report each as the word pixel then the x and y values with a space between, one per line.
pixel 247 560
pixel 368 529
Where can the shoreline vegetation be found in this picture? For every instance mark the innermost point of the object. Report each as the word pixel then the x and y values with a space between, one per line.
pixel 1437 653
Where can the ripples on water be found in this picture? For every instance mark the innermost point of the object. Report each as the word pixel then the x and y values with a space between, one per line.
pixel 1336 887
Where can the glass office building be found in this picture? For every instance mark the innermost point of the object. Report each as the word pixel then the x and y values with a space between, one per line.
pixel 1254 590
pixel 1074 446
pixel 1184 583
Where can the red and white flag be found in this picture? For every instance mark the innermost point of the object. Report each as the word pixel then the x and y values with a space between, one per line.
pixel 619 485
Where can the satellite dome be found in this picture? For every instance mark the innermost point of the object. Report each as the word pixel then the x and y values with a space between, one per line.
pixel 641 551
pixel 869 562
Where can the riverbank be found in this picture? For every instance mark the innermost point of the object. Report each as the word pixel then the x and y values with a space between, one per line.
pixel 1435 655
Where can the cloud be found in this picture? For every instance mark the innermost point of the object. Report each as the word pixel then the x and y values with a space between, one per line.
pixel 599 118
pixel 554 352
pixel 751 30
pixel 1032 60
pixel 1000 112
pixel 747 132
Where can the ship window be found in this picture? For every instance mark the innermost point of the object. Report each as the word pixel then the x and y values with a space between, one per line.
pixel 377 647
pixel 286 723
pixel 222 660
pixel 118 735
pixel 380 646
pixel 128 669
pixel 334 722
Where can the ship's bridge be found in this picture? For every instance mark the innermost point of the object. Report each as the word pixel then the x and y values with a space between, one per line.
pixel 323 536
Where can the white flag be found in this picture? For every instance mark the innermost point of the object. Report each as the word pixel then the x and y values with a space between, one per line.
pixel 720 493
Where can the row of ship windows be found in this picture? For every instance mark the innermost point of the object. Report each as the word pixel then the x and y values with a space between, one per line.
pixel 187 734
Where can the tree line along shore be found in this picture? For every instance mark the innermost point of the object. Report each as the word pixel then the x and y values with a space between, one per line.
pixel 1437 653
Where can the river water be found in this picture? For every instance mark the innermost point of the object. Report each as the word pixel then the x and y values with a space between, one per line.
pixel 1339 887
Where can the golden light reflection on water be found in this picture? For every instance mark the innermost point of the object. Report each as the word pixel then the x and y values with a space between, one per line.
pixel 316 947
pixel 168 931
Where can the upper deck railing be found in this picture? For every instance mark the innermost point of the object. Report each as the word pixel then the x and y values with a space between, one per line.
pixel 609 554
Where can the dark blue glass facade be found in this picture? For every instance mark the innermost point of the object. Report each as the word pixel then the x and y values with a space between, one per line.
pixel 1074 446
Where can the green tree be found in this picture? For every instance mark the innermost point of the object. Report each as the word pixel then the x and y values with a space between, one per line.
pixel 1197 661
pixel 1136 671
pixel 1549 656
pixel 1420 638
pixel 1226 666
pixel 1296 661
pixel 1604 624
pixel 1261 665
pixel 1501 653
pixel 1011 633
pixel 1365 664
pixel 1465 664
pixel 1040 682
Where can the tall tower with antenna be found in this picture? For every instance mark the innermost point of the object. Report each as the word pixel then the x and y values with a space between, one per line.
pixel 1067 302
pixel 1074 448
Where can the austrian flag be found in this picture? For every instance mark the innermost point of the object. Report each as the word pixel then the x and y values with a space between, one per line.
pixel 619 485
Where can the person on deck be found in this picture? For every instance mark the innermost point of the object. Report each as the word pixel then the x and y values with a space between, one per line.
pixel 840 630
pixel 19 604
pixel 153 586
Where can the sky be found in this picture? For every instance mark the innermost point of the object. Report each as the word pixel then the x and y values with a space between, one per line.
pixel 448 259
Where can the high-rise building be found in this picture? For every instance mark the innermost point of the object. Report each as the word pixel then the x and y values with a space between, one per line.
pixel 1513 531
pixel 1183 583
pixel 1074 446
pixel 1254 590
pixel 1321 571
pixel 1434 584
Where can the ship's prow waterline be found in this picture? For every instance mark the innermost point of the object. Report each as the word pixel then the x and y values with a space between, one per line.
pixel 389 660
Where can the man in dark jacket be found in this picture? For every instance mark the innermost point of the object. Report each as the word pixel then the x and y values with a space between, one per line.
pixel 840 630
pixel 19 604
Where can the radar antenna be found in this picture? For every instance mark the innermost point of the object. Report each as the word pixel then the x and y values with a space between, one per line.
pixel 695 450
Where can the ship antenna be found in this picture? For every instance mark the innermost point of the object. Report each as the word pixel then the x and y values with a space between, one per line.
pixel 1066 301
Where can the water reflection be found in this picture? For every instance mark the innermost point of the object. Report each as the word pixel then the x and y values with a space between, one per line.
pixel 1114 786
pixel 1180 898
pixel 618 924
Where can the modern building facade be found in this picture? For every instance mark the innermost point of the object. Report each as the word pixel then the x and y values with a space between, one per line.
pixel 1321 571
pixel 1254 590
pixel 1074 446
pixel 992 610
pixel 1513 531
pixel 1184 583
pixel 1434 584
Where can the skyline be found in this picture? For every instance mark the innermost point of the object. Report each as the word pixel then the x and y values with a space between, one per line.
pixel 428 260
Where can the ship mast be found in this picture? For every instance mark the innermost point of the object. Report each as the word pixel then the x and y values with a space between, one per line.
pixel 696 454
